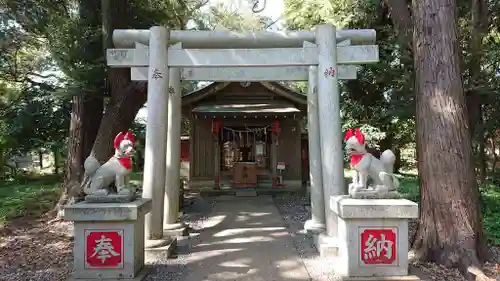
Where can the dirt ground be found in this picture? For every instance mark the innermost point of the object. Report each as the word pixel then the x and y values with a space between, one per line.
pixel 431 271
pixel 36 249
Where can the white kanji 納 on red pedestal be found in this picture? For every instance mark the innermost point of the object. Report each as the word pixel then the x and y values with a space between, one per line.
pixel 378 246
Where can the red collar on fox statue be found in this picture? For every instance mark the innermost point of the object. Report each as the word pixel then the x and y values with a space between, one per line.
pixel 355 158
pixel 126 162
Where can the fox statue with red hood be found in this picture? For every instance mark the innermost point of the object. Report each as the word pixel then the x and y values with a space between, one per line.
pixel 384 184
pixel 116 169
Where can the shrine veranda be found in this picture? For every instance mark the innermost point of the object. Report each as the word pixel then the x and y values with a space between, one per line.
pixel 343 227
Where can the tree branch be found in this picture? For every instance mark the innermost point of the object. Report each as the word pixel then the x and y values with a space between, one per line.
pixel 402 20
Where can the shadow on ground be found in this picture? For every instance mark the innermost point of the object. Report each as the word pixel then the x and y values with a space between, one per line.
pixel 242 239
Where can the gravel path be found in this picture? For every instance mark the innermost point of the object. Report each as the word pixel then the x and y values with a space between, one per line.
pixel 176 269
pixel 294 212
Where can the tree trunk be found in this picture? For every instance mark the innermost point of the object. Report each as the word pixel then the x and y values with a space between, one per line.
pixel 495 157
pixel 86 113
pixel 481 139
pixel 450 230
pixel 87 108
pixel 55 155
pixel 40 159
pixel 397 163
pixel 479 23
pixel 74 162
pixel 92 117
pixel 126 97
pixel 402 19
pixel 119 116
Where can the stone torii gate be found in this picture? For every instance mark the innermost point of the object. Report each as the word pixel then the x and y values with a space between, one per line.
pixel 321 57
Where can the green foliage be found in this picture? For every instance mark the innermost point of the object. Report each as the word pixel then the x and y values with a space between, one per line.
pixel 29 195
pixel 220 16
pixel 409 188
pixel 381 99
pixel 490 196
pixel 307 13
pixel 32 114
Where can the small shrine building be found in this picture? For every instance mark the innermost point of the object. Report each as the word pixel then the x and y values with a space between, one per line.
pixel 246 135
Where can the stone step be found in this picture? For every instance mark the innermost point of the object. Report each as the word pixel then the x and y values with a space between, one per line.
pixel 246 193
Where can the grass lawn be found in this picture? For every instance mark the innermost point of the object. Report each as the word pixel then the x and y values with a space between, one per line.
pixel 136 177
pixel 28 196
pixel 490 199
pixel 33 195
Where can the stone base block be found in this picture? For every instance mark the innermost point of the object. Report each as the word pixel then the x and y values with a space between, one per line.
pixel 139 277
pixel 175 230
pixel 382 278
pixel 157 243
pixel 109 239
pixel 372 237
pixel 110 198
pixel 372 194
pixel 160 253
pixel 313 227
pixel 327 246
pixel 246 193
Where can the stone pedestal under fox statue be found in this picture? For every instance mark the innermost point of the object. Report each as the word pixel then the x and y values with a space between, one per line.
pixel 384 182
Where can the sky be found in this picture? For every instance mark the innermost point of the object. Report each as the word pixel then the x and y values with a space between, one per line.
pixel 273 9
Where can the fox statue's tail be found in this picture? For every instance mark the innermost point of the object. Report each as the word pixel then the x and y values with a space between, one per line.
pixel 91 165
pixel 388 158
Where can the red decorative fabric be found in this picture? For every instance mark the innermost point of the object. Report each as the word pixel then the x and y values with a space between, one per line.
pixel 126 162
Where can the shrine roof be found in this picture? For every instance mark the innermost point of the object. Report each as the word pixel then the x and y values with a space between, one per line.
pixel 275 87
pixel 258 107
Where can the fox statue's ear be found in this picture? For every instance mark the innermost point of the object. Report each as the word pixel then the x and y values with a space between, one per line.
pixel 118 139
pixel 348 134
pixel 359 136
pixel 129 136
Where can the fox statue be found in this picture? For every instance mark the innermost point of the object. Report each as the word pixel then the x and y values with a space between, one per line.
pixel 116 169
pixel 385 183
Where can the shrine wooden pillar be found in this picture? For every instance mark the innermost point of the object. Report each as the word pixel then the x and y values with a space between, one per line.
pixel 173 157
pixel 275 128
pixel 216 127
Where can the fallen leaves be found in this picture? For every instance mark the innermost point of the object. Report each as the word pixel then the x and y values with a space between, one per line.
pixel 30 248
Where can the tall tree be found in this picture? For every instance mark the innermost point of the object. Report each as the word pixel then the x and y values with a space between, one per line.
pixel 77 32
pixel 475 98
pixel 450 231
pixel 88 103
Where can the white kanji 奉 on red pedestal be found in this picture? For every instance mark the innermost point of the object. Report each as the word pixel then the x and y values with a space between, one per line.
pixel 109 240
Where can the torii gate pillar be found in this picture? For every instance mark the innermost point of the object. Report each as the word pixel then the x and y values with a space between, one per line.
pixel 330 128
pixel 156 135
